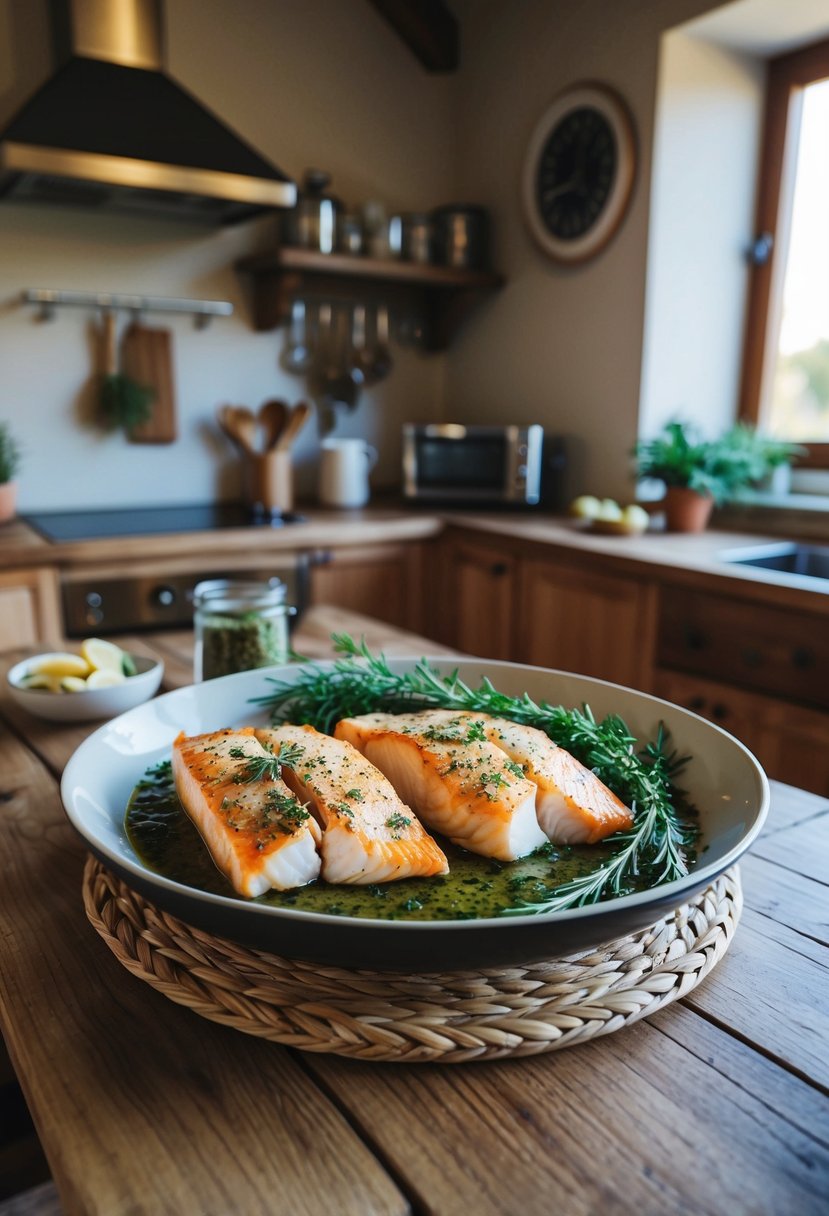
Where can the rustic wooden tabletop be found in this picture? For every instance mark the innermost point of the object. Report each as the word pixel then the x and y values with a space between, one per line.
pixel 716 1104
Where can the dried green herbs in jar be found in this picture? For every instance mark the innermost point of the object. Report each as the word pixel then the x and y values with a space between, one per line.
pixel 239 626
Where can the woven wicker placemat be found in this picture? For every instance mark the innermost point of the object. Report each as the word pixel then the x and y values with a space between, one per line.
pixel 450 1016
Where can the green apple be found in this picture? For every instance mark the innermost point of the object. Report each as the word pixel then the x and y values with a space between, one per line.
pixel 635 517
pixel 609 511
pixel 585 507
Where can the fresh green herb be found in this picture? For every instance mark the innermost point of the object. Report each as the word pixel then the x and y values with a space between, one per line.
pixel 514 768
pixel 289 810
pixel 475 734
pixel 398 821
pixel 267 766
pixel 660 844
pixel 355 794
pixel 491 784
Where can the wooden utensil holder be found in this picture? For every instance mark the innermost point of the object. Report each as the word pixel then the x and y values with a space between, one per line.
pixel 270 481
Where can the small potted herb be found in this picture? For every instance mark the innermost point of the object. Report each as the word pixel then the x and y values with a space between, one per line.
pixel 700 473
pixel 9 464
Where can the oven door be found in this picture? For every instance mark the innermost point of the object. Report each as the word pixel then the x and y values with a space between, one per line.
pixel 120 600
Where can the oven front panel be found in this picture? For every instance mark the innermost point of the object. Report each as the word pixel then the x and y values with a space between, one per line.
pixel 102 605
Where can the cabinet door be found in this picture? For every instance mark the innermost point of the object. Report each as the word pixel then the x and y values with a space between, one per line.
pixel 474 612
pixel 575 619
pixel 788 740
pixel 29 608
pixel 382 581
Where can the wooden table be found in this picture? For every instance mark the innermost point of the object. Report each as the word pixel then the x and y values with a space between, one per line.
pixel 718 1104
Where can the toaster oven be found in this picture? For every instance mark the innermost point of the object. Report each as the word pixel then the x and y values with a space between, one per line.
pixel 482 465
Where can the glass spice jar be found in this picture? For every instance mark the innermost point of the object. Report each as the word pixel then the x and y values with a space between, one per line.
pixel 239 625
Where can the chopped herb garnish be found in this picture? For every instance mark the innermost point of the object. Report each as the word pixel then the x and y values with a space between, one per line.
pixel 355 794
pixel 398 821
pixel 267 767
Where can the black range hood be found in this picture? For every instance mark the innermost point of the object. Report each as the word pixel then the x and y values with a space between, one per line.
pixel 109 130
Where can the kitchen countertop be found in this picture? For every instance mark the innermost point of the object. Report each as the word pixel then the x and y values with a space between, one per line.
pixel 673 557
pixel 713 1104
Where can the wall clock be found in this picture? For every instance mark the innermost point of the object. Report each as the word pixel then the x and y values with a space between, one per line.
pixel 578 172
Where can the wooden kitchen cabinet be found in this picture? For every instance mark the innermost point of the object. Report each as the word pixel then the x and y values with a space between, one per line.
pixel 578 619
pixel 473 607
pixel 382 581
pixel 789 740
pixel 29 607
pixel 540 610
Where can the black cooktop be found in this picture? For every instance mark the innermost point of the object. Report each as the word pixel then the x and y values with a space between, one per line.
pixel 148 521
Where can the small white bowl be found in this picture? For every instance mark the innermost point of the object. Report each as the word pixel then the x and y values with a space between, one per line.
pixel 89 705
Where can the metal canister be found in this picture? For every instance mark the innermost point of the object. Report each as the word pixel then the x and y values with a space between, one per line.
pixel 239 625
pixel 461 236
pixel 312 223
pixel 410 236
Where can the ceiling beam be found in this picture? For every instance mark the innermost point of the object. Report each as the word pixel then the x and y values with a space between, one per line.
pixel 427 27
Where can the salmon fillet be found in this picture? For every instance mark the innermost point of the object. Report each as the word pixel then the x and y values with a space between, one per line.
pixel 573 806
pixel 368 833
pixel 257 832
pixel 458 782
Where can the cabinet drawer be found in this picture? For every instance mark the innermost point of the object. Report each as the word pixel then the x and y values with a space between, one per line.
pixel 771 650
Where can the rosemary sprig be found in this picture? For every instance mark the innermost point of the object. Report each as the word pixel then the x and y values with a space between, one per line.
pixel 660 842
pixel 258 768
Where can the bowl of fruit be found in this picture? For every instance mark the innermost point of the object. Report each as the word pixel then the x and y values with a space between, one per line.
pixel 98 681
pixel 608 517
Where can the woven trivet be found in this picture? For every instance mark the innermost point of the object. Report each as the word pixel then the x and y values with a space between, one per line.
pixel 449 1016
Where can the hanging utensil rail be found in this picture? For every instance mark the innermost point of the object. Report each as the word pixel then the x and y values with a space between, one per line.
pixel 202 311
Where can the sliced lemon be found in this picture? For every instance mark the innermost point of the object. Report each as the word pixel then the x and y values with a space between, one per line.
pixel 102 655
pixel 73 684
pixel 103 678
pixel 60 665
pixel 40 680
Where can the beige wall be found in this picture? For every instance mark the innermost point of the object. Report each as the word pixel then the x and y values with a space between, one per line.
pixel 560 345
pixel 309 82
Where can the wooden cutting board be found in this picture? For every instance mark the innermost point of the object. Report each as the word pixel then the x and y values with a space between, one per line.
pixel 147 358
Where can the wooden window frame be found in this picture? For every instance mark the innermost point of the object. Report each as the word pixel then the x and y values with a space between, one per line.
pixel 787 78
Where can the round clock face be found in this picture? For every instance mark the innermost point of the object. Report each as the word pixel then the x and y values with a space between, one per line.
pixel 578 173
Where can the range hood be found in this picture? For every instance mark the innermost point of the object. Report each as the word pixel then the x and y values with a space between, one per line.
pixel 109 130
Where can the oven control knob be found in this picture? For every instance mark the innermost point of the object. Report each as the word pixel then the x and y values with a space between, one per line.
pixel 93 599
pixel 94 616
pixel 163 596
pixel 522 449
pixel 522 472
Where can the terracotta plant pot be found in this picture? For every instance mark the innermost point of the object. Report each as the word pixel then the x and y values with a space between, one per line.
pixel 8 501
pixel 686 510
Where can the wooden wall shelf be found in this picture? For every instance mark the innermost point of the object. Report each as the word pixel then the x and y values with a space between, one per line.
pixel 443 295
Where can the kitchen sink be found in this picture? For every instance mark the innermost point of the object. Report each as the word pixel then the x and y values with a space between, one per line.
pixel 785 557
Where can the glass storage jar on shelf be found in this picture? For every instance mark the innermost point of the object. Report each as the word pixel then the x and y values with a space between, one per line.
pixel 239 625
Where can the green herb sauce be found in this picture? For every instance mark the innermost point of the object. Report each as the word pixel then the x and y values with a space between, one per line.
pixel 166 840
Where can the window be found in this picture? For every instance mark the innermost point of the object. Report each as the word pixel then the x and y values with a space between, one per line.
pixel 785 388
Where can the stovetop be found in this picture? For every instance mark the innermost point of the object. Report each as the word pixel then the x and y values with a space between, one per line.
pixel 149 521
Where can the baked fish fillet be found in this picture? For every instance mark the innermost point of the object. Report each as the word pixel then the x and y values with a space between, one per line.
pixel 368 833
pixel 573 806
pixel 256 830
pixel 458 782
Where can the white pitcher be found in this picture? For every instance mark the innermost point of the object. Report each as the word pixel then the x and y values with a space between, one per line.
pixel 344 470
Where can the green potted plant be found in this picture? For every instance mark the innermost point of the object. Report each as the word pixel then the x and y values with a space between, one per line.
pixel 700 473
pixel 9 464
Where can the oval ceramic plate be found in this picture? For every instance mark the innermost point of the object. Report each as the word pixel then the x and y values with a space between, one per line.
pixel 723 779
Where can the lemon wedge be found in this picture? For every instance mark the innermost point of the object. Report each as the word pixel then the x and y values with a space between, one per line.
pixel 105 678
pixel 73 684
pixel 60 665
pixel 102 655
pixel 40 680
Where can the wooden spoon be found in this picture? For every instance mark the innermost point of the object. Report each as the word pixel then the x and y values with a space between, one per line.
pixel 296 421
pixel 273 418
pixel 240 426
